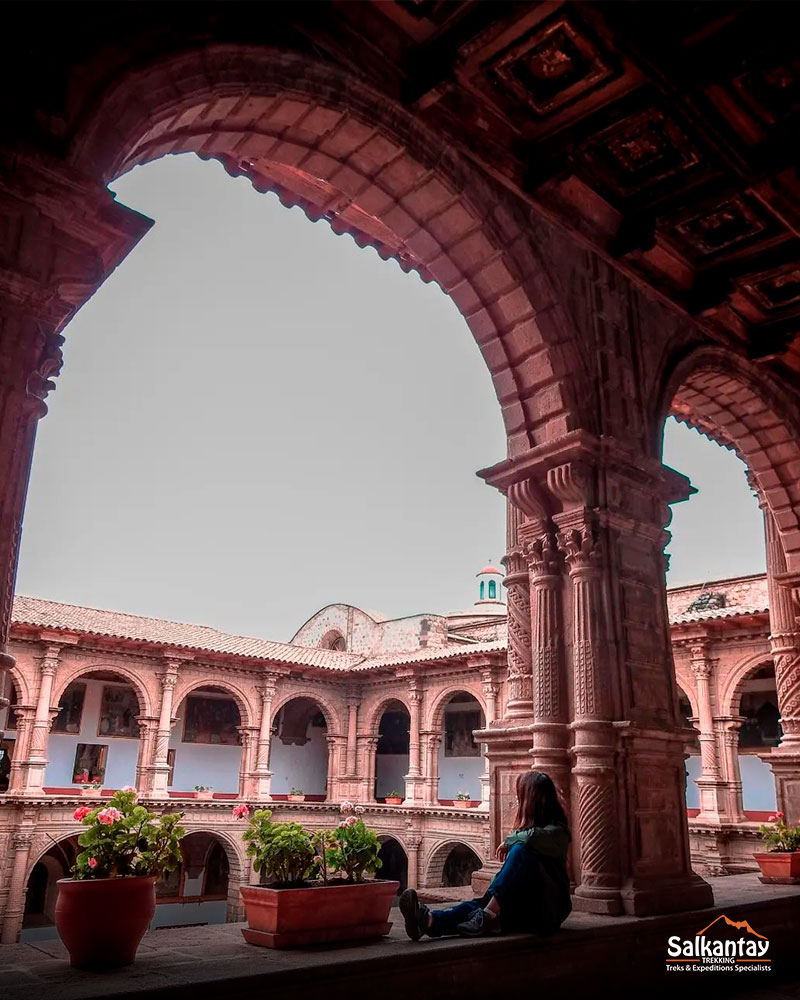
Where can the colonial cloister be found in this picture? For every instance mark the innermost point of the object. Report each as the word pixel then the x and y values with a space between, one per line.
pixel 608 195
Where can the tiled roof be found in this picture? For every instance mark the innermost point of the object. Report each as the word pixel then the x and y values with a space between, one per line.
pixel 743 595
pixel 38 613
pixel 117 624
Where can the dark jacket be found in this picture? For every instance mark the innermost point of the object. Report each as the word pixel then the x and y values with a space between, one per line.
pixel 550 845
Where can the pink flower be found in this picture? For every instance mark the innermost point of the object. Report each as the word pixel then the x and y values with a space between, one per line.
pixel 240 811
pixel 771 819
pixel 128 788
pixel 351 820
pixel 92 862
pixel 344 824
pixel 360 810
pixel 779 815
pixel 80 812
pixel 345 808
pixel 108 816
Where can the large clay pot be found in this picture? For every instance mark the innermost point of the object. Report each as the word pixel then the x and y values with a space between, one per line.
pixel 286 918
pixel 779 866
pixel 102 921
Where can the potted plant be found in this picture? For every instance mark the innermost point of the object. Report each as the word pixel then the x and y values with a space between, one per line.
pixel 394 798
pixel 91 785
pixel 297 795
pixel 781 861
pixel 204 791
pixel 104 909
pixel 318 890
pixel 464 799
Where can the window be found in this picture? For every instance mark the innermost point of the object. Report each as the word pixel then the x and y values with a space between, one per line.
pixel 70 709
pixel 492 590
pixel 483 587
pixel 171 762
pixel 458 740
pixel 90 763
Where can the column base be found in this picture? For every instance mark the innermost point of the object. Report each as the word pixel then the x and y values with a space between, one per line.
pixel 605 901
pixel 483 876
pixel 645 899
pixel 415 787
pixel 785 766
pixel 261 786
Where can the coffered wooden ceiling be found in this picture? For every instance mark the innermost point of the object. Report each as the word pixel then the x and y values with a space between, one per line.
pixel 664 135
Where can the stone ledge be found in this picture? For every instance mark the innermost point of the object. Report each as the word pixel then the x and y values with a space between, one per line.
pixel 626 954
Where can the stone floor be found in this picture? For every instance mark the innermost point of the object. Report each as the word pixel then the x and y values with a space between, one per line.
pixel 622 955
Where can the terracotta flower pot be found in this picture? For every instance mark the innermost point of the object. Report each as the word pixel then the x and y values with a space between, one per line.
pixel 779 864
pixel 286 918
pixel 102 921
pixel 206 794
pixel 296 798
pixel 394 801
pixel 94 790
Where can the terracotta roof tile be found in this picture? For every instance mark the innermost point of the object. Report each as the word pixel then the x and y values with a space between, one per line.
pixel 93 621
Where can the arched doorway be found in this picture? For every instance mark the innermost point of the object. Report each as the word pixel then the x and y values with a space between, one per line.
pixel 461 763
pixel 205 747
pixel 8 734
pixel 394 862
pixel 392 751
pixel 38 922
pixel 94 738
pixel 197 892
pixel 693 761
pixel 760 731
pixel 460 865
pixel 298 755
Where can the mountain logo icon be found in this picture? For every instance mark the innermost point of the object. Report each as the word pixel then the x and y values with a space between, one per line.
pixel 737 925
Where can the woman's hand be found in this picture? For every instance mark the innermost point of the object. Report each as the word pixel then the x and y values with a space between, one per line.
pixel 501 852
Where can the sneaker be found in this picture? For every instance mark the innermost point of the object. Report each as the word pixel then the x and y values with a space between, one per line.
pixel 414 913
pixel 479 924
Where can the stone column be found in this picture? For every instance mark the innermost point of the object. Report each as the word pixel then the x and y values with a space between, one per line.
pixel 37 755
pixel 784 643
pixel 17 778
pixel 370 755
pixel 353 703
pixel 148 728
pixel 414 779
pixel 594 745
pixel 431 742
pixel 15 905
pixel 165 722
pixel 263 775
pixel 728 729
pixel 413 846
pixel 247 768
pixel 520 692
pixel 710 783
pixel 550 733
pixel 609 503
pixel 490 685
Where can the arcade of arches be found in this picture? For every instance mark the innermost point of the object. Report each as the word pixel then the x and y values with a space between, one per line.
pixel 615 261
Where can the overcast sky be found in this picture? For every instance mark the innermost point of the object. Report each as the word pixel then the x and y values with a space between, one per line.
pixel 257 418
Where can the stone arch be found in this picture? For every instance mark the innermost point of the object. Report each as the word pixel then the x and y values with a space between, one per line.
pixel 434 866
pixel 322 139
pixel 333 639
pixel 246 711
pixel 399 857
pixel 684 684
pixel 146 701
pixel 45 845
pixel 20 682
pixel 376 713
pixel 238 866
pixel 436 716
pixel 731 688
pixel 327 707
pixel 743 408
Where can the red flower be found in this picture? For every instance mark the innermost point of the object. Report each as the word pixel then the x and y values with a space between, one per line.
pixel 80 812
pixel 92 862
pixel 240 811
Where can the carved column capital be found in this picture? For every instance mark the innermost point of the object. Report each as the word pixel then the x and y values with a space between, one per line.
pixel 542 554
pixel 580 547
pixel 50 659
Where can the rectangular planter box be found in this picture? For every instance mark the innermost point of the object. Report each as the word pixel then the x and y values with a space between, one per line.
pixel 290 918
pixel 779 864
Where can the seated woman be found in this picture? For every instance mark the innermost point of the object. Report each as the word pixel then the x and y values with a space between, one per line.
pixel 530 893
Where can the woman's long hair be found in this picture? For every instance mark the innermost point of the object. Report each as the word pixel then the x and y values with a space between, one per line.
pixel 537 802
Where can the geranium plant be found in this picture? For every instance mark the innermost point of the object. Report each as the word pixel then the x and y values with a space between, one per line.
pixel 281 850
pixel 123 838
pixel 355 847
pixel 779 836
pixel 463 797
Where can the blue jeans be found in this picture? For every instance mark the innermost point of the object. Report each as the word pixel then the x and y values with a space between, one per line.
pixel 515 887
